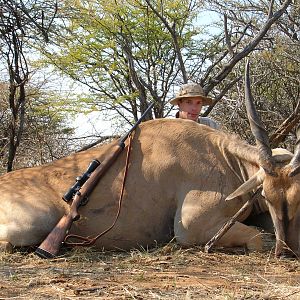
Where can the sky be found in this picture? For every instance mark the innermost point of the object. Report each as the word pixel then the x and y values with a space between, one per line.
pixel 92 124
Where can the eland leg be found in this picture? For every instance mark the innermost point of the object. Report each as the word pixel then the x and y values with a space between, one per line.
pixel 198 219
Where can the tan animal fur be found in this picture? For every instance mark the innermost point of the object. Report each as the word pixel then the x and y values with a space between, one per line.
pixel 179 175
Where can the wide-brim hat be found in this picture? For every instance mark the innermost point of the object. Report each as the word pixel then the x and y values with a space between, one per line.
pixel 191 90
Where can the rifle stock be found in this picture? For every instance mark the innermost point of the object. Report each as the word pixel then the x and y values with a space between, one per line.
pixel 50 247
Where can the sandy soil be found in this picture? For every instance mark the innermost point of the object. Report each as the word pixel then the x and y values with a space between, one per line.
pixel 168 272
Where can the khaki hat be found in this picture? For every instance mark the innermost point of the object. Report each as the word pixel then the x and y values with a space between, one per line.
pixel 191 90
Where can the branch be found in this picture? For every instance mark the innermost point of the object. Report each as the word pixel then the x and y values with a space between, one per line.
pixel 221 95
pixel 172 31
pixel 44 30
pixel 231 221
pixel 272 18
pixel 286 127
pixel 227 36
pixel 102 139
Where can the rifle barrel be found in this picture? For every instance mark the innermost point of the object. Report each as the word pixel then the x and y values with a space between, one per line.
pixel 125 136
pixel 50 247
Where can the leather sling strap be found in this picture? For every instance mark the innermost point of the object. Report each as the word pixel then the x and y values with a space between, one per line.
pixel 88 241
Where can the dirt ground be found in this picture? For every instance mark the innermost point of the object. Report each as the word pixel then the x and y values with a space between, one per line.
pixel 167 272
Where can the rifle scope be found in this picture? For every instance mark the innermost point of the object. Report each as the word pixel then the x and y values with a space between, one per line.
pixel 80 180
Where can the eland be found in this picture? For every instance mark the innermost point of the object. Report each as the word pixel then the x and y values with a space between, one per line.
pixel 184 180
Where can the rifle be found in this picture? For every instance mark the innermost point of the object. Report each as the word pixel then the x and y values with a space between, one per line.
pixel 50 247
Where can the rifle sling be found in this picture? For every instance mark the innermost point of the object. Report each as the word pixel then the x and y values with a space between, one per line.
pixel 87 241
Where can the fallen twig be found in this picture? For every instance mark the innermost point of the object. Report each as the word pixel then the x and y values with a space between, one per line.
pixel 228 224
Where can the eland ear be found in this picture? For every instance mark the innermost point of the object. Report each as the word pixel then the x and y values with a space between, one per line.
pixel 252 183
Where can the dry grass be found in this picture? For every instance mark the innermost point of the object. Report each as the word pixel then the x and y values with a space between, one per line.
pixel 168 272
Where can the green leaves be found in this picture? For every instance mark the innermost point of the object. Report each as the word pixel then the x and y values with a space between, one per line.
pixel 122 50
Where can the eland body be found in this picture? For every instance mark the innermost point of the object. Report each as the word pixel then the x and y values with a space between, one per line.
pixel 179 176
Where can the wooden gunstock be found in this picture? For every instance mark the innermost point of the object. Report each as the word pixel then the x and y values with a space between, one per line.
pixel 50 247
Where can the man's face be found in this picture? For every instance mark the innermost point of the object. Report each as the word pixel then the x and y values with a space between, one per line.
pixel 189 108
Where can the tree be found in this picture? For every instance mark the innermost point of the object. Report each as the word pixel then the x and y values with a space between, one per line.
pixel 275 75
pixel 130 52
pixel 46 132
pixel 123 63
pixel 22 23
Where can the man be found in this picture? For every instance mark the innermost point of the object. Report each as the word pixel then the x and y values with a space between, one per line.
pixel 190 100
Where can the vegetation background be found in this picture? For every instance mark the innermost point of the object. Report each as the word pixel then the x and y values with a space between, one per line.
pixel 61 59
